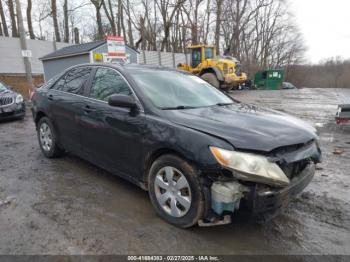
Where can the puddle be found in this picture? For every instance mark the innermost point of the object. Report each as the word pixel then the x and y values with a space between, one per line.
pixel 327 139
pixel 319 125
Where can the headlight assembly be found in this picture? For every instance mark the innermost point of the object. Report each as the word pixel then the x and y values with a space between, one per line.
pixel 19 99
pixel 250 167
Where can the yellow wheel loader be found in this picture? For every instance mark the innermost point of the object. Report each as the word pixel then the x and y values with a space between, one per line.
pixel 223 72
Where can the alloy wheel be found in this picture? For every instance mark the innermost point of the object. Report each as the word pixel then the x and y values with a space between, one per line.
pixel 45 135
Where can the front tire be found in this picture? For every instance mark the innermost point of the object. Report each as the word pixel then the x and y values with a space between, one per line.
pixel 47 138
pixel 175 191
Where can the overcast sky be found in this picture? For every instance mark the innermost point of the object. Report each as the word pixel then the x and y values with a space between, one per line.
pixel 325 25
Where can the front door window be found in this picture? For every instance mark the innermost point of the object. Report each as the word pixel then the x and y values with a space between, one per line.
pixel 108 82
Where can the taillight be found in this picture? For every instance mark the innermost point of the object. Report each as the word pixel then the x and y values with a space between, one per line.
pixel 343 121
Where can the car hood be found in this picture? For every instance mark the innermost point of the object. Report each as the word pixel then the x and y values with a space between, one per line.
pixel 6 92
pixel 246 126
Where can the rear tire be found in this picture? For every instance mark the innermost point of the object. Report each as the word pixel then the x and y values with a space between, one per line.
pixel 47 138
pixel 211 79
pixel 175 191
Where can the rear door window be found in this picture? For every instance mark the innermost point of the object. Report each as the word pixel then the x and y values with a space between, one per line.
pixel 108 82
pixel 73 81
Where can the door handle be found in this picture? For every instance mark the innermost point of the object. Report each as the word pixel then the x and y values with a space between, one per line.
pixel 88 109
pixel 50 97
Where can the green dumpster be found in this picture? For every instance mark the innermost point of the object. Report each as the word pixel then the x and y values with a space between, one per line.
pixel 269 79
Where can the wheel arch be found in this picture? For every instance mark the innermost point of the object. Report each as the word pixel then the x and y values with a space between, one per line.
pixel 214 70
pixel 153 156
pixel 38 116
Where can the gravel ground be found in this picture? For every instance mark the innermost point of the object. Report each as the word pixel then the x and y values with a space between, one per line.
pixel 68 206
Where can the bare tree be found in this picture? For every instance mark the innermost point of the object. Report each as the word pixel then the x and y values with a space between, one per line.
pixel 330 73
pixel 43 11
pixel 192 12
pixel 121 23
pixel 119 16
pixel 66 21
pixel 72 16
pixel 13 18
pixel 55 20
pixel 206 23
pixel 168 10
pixel 76 36
pixel 129 22
pixel 218 20
pixel 110 15
pixel 29 19
pixel 258 32
pixel 3 20
pixel 98 4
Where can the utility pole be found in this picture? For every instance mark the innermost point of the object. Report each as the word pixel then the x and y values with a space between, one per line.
pixel 25 53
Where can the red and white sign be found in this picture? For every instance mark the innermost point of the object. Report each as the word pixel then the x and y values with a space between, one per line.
pixel 116 46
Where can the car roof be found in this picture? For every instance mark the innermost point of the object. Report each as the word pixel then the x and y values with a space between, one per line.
pixel 131 67
pixel 148 67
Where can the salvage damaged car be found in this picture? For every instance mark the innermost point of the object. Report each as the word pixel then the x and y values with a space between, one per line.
pixel 202 156
pixel 12 105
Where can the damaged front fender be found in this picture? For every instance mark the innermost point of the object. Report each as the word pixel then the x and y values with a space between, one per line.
pixel 308 151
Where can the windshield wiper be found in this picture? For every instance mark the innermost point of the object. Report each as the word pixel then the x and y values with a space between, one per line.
pixel 177 107
pixel 224 104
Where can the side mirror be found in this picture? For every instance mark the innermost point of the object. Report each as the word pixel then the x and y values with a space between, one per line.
pixel 122 101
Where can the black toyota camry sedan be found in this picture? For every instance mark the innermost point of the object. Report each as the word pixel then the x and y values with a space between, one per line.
pixel 203 157
pixel 11 103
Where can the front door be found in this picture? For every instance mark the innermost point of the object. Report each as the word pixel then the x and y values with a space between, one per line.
pixel 111 136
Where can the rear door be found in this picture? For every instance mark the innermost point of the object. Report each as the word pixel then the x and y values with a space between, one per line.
pixel 66 106
pixel 111 136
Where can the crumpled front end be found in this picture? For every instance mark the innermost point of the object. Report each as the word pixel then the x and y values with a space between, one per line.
pixel 231 195
pixel 264 202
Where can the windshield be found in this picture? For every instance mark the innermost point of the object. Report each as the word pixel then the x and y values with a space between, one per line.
pixel 2 87
pixel 176 90
pixel 209 53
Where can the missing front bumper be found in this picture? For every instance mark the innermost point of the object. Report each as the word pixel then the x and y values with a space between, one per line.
pixel 261 203
pixel 264 203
